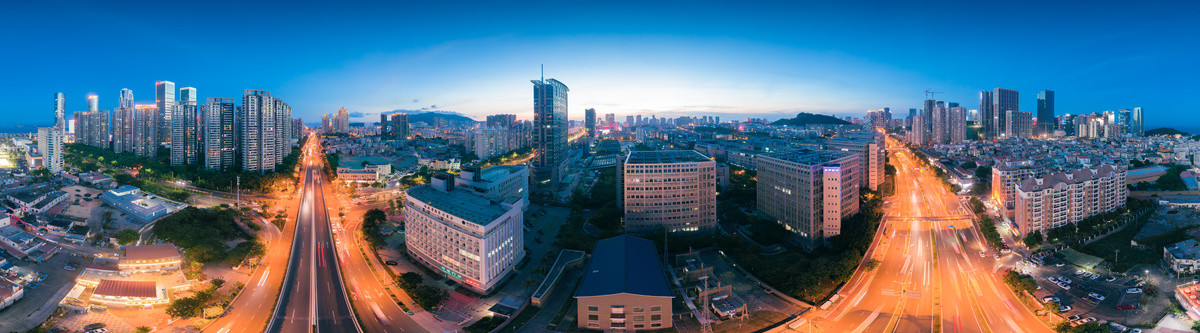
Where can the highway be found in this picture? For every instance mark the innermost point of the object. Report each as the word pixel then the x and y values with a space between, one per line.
pixel 313 298
pixel 931 275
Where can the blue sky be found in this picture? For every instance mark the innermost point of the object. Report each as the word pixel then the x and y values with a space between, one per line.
pixel 736 60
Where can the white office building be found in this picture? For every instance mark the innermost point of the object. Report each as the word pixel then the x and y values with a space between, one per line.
pixel 472 238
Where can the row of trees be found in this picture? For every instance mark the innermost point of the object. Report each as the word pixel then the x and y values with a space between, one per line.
pixel 157 169
pixel 427 296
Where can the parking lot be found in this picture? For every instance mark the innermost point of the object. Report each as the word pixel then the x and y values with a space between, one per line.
pixel 1085 294
pixel 37 303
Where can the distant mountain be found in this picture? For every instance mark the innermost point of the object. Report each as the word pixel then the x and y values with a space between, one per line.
pixel 811 119
pixel 430 117
pixel 1165 131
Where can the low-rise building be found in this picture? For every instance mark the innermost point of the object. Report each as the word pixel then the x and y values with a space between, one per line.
pixel 473 238
pixel 1183 257
pixel 9 292
pixel 149 258
pixel 368 174
pixel 624 288
pixel 125 294
pixel 141 206
pixel 508 181
pixel 37 199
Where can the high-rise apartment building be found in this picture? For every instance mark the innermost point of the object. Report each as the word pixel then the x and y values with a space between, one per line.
pixel 880 119
pixel 145 130
pixel 60 111
pixel 184 132
pixel 589 121
pixel 957 125
pixel 220 149
pixel 50 145
pixel 472 238
pixel 501 120
pixel 809 192
pixel 93 102
pixel 610 119
pixel 549 133
pixel 940 133
pixel 122 123
pixel 1004 101
pixel 670 190
pixel 1057 199
pixel 400 126
pixel 1018 124
pixel 265 130
pixel 487 142
pixel 297 128
pixel 92 128
pixel 341 121
pixel 326 124
pixel 1005 177
pixel 1045 112
pixel 987 115
pixel 383 125
pixel 164 99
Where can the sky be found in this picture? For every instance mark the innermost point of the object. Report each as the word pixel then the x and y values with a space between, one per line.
pixel 666 58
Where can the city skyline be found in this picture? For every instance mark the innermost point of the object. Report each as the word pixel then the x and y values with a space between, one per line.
pixel 668 65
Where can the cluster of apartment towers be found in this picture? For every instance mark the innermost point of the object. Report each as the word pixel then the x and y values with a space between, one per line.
pixel 219 134
pixel 999 116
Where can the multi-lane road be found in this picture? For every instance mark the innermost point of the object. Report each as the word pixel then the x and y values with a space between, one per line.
pixel 932 276
pixel 313 296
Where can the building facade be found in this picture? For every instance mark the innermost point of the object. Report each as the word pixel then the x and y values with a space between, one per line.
pixel 624 288
pixel 220 149
pixel 1059 199
pixel 1045 112
pixel 1019 124
pixel 549 133
pixel 184 132
pixel 473 238
pixel 670 190
pixel 265 131
pixel 164 101
pixel 809 192
pixel 1003 102
pixel 399 129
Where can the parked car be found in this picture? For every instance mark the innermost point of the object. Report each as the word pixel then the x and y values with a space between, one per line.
pixel 1127 306
pixel 69 268
pixel 1073 318
pixel 1097 297
pixel 1064 280
pixel 93 326
pixel 1089 319
pixel 1049 299
pixel 1059 264
pixel 1133 291
pixel 391 263
pixel 982 254
pixel 1064 308
pixel 1110 279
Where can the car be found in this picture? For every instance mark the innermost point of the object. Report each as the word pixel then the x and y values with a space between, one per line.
pixel 391 263
pixel 1073 318
pixel 1053 279
pixel 1064 286
pixel 1094 276
pixel 1059 264
pixel 1089 319
pixel 1049 299
pixel 1136 330
pixel 982 254
pixel 69 268
pixel 1065 280
pixel 1097 297
pixel 94 326
pixel 1127 306
pixel 1133 291
pixel 1064 308
pixel 1110 279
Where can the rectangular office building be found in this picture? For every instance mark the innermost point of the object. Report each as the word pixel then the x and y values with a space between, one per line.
pixel 672 190
pixel 809 192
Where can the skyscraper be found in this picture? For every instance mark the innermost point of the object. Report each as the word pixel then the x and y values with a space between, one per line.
pixel 1045 112
pixel 122 123
pixel 988 116
pixel 341 121
pixel 550 133
pixel 610 119
pixel 188 94
pixel 501 120
pixel 957 124
pixel 60 111
pixel 219 148
pixel 93 102
pixel 941 124
pixel 126 99
pixel 927 120
pixel 164 99
pixel 400 126
pixel 145 130
pixel 50 145
pixel 1137 124
pixel 326 124
pixel 589 121
pixel 184 129
pixel 1004 101
pixel 1019 124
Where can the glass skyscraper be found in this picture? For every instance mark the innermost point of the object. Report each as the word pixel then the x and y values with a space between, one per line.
pixel 1045 111
pixel 549 133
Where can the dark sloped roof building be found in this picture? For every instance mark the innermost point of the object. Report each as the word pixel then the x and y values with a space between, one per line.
pixel 624 288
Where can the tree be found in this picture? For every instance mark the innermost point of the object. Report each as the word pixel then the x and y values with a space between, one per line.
pixel 1019 282
pixel 409 280
pixel 969 165
pixel 1033 239
pixel 186 307
pixel 142 329
pixel 127 236
pixel 428 297
pixel 983 173
pixel 1052 307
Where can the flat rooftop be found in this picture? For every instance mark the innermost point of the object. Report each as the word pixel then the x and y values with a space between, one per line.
pixel 465 204
pixel 665 157
pixel 809 157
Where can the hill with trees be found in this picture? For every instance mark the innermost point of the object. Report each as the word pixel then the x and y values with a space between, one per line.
pixel 811 119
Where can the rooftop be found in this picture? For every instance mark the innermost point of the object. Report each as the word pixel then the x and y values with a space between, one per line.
pixel 624 264
pixel 810 157
pixel 665 157
pixel 150 252
pixel 465 204
pixel 144 289
pixel 1188 249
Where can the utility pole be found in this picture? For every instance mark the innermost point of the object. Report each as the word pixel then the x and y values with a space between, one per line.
pixel 239 191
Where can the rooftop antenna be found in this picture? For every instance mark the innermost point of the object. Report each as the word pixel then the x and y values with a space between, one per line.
pixel 543 72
